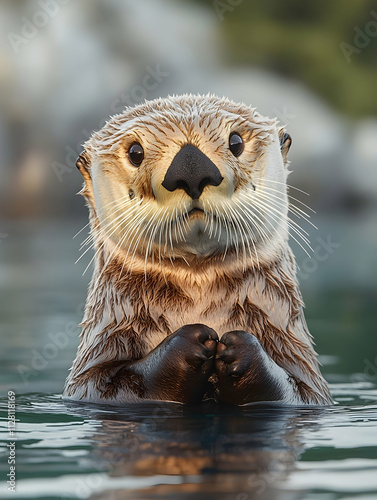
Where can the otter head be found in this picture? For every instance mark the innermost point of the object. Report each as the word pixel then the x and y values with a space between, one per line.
pixel 188 177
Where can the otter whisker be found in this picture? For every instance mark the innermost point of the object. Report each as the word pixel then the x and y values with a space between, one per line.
pixel 277 216
pixel 166 235
pixel 262 185
pixel 132 227
pixel 287 185
pixel 142 233
pixel 167 230
pixel 159 240
pixel 158 226
pixel 220 215
pixel 297 211
pixel 291 196
pixel 230 225
pixel 211 227
pixel 175 225
pixel 151 237
pixel 248 228
pixel 253 199
pixel 170 232
pixel 178 222
pixel 272 210
pixel 215 222
pixel 148 236
pixel 92 233
pixel 300 214
pixel 119 244
pixel 291 224
pixel 122 206
pixel 82 229
pixel 181 221
pixel 161 226
pixel 100 233
pixel 103 232
pixel 247 210
pixel 279 221
pixel 120 200
pixel 280 205
pixel 240 230
pixel 215 225
pixel 186 218
pixel 268 220
pixel 218 226
pixel 207 215
pixel 234 236
pixel 222 223
pixel 247 207
pixel 225 222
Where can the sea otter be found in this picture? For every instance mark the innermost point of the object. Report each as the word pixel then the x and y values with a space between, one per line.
pixel 194 292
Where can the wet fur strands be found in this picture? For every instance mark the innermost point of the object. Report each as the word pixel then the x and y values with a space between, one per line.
pixel 194 292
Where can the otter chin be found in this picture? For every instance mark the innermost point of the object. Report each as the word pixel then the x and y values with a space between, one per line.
pixel 196 242
pixel 194 292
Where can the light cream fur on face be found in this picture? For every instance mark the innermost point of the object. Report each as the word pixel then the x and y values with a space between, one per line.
pixel 155 221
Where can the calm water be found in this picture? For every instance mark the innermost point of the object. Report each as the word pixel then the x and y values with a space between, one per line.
pixel 165 451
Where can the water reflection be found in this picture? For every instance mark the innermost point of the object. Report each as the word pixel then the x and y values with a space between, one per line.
pixel 167 451
pixel 211 451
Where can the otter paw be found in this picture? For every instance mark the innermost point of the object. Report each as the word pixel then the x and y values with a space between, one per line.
pixel 245 373
pixel 179 368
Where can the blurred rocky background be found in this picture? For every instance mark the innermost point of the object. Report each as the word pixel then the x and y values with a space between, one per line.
pixel 66 66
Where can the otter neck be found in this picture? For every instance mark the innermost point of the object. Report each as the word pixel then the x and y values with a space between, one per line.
pixel 214 295
pixel 191 271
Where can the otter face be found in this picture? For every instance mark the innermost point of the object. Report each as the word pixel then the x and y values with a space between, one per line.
pixel 188 176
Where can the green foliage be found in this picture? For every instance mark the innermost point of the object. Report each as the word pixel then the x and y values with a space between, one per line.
pixel 307 41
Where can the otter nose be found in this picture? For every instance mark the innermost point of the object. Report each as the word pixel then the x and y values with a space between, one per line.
pixel 192 171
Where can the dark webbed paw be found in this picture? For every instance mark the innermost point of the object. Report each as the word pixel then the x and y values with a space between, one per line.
pixel 179 368
pixel 244 371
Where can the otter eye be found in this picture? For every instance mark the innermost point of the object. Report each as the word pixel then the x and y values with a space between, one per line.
pixel 136 154
pixel 236 144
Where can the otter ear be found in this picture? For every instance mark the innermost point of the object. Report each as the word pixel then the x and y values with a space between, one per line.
pixel 285 143
pixel 83 164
